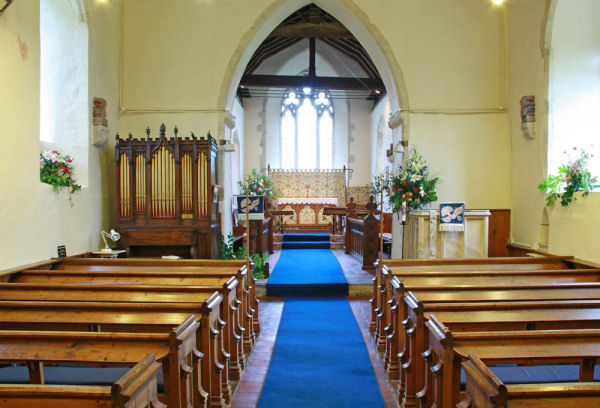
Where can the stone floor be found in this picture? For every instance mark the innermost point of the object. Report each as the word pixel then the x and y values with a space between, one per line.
pixel 249 388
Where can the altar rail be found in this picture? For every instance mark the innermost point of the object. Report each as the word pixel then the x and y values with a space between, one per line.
pixel 166 194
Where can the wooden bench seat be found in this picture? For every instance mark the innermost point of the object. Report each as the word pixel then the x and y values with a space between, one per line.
pixel 195 277
pixel 465 294
pixel 247 282
pixel 383 313
pixel 136 317
pixel 400 267
pixel 485 390
pixel 136 389
pixel 175 350
pixel 233 332
pixel 184 279
pixel 538 315
pixel 448 349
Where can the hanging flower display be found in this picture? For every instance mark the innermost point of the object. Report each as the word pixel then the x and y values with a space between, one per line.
pixel 56 169
pixel 572 177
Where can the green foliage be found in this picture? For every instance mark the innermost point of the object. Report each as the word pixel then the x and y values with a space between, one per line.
pixel 572 177
pixel 259 264
pixel 56 169
pixel 226 250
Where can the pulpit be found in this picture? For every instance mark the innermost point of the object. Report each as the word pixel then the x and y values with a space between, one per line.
pixel 307 212
pixel 423 239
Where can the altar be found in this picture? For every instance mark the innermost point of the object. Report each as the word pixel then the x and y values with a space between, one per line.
pixel 307 212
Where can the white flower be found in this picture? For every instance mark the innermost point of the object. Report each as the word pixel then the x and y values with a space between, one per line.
pixel 415 177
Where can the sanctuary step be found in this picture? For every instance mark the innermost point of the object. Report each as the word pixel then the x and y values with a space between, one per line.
pixel 309 240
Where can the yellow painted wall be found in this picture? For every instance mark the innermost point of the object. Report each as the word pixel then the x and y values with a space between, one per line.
pixel 181 63
pixel 177 57
pixel 34 219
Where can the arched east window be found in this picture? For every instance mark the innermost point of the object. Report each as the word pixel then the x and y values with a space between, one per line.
pixel 307 129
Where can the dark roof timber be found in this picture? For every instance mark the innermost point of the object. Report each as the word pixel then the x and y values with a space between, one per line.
pixel 312 22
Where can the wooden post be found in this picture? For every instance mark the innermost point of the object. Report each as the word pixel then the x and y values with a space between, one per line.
pixel 248 228
pixel 381 229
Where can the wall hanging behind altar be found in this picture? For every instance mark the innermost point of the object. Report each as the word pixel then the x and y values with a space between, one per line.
pixel 310 183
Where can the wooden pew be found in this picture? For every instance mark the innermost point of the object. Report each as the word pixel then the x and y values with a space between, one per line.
pixel 229 313
pixel 539 315
pixel 498 278
pixel 175 350
pixel 169 265
pixel 136 389
pixel 504 273
pixel 193 299
pixel 142 277
pixel 485 390
pixel 465 294
pixel 449 349
pixel 125 317
pixel 400 267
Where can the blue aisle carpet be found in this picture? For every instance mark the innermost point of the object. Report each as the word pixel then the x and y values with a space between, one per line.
pixel 307 272
pixel 320 359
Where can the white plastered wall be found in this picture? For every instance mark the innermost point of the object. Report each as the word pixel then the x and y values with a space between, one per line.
pixel 573 230
pixel 33 219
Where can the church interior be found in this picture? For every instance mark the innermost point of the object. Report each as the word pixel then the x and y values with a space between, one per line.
pixel 406 152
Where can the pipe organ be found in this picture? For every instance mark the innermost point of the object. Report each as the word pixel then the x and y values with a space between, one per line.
pixel 166 195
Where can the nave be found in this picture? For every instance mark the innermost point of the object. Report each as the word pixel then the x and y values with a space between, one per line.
pixel 316 348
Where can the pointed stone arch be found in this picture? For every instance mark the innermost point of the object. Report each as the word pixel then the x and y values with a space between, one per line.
pixel 349 14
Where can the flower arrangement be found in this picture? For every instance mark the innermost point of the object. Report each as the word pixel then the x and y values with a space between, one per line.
pixel 258 185
pixel 56 169
pixel 412 186
pixel 572 177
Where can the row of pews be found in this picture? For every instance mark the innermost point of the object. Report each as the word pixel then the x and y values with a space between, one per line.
pixel 430 318
pixel 194 322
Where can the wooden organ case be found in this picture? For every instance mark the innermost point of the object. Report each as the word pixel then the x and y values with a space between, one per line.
pixel 166 195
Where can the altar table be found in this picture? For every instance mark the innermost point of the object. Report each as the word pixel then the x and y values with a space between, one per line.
pixel 308 212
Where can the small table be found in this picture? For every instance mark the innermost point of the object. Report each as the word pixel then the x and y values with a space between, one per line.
pixel 339 211
pixel 112 254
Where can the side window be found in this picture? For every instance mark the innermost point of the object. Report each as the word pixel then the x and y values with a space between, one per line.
pixel 64 102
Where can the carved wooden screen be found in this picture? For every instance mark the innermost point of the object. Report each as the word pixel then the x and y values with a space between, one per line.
pixel 166 180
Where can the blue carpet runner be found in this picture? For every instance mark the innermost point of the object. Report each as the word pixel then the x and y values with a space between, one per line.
pixel 320 359
pixel 307 272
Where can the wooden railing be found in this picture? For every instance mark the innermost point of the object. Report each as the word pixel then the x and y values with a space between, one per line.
pixel 362 236
pixel 261 236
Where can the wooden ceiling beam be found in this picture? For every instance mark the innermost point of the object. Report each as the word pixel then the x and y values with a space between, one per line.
pixel 354 53
pixel 289 81
pixel 304 30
